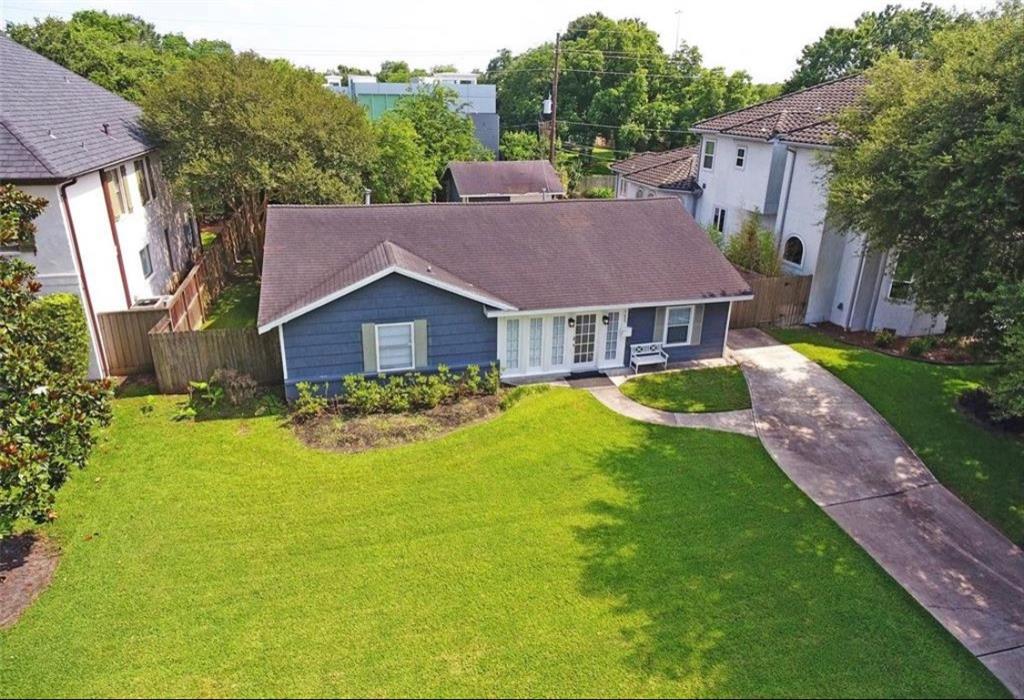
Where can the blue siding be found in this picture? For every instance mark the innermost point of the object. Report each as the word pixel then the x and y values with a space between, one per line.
pixel 712 337
pixel 327 343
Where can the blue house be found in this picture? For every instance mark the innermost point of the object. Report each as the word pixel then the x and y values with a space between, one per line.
pixel 544 290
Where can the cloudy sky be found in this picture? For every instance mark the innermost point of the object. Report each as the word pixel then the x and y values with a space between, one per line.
pixel 763 38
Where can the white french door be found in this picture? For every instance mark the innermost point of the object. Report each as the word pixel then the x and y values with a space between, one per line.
pixel 584 343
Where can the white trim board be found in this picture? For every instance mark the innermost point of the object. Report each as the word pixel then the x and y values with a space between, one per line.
pixel 615 307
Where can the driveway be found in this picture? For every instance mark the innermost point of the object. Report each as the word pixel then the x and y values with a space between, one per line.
pixel 857 468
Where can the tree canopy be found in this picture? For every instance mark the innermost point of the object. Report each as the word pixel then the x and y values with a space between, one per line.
pixel 615 81
pixel 845 50
pixel 398 72
pixel 120 52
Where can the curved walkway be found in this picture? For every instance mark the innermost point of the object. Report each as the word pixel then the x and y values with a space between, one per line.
pixel 741 422
pixel 858 469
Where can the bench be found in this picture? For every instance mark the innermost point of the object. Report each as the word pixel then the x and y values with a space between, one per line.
pixel 647 354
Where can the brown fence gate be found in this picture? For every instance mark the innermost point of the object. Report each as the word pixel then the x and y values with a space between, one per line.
pixel 778 301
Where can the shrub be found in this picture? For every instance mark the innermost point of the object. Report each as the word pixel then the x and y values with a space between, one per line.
pixel 472 382
pixel 238 387
pixel 1008 390
pixel 309 404
pixel 492 380
pixel 65 343
pixel 362 395
pixel 920 345
pixel 395 395
pixel 885 338
pixel 753 248
pixel 716 236
pixel 599 193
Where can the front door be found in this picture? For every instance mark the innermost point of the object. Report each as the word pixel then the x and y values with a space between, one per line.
pixel 584 343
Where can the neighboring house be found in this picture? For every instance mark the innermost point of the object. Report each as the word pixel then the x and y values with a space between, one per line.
pixel 767 160
pixel 479 102
pixel 501 181
pixel 659 174
pixel 111 232
pixel 544 289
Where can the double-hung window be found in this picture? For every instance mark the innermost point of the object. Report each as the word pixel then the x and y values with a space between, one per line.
pixel 718 221
pixel 708 161
pixel 901 288
pixel 678 325
pixel 146 260
pixel 395 351
pixel 144 179
pixel 512 343
pixel 114 181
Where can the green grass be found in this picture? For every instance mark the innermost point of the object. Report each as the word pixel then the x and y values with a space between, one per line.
pixel 691 391
pixel 207 237
pixel 236 306
pixel 984 468
pixel 559 549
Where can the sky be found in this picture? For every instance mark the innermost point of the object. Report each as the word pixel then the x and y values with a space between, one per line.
pixel 763 38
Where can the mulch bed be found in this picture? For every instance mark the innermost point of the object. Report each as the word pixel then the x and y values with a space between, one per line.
pixel 359 433
pixel 27 563
pixel 977 404
pixel 947 351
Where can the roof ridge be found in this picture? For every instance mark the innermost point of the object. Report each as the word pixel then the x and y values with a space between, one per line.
pixel 459 205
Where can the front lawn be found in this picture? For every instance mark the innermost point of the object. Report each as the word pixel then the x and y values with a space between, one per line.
pixel 558 549
pixel 691 391
pixel 984 468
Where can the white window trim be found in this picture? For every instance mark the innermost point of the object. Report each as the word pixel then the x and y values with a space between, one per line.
pixel 149 256
pixel 689 328
pixel 743 165
pixel 803 253
pixel 704 154
pixel 412 345
pixel 716 210
pixel 893 280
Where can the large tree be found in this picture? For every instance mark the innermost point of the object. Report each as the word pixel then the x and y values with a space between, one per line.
pixel 238 132
pixel 932 166
pixel 120 52
pixel 844 50
pixel 401 172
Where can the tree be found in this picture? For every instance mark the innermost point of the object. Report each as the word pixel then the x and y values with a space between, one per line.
pixel 522 145
pixel 49 412
pixel 345 71
pixel 17 210
pixel 237 132
pixel 845 50
pixel 753 248
pixel 402 172
pixel 119 52
pixel 932 167
pixel 398 72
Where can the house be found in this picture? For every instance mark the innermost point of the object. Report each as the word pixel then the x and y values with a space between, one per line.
pixel 477 101
pixel 111 232
pixel 766 160
pixel 543 289
pixel 659 174
pixel 501 181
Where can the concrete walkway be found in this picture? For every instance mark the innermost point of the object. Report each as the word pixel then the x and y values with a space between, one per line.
pixel 855 466
pixel 608 393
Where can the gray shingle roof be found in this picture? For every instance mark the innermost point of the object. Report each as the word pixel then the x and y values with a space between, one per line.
pixel 531 256
pixel 51 120
pixel 669 170
pixel 480 178
pixel 805 116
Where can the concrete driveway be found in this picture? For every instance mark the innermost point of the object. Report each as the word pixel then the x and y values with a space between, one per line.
pixel 853 464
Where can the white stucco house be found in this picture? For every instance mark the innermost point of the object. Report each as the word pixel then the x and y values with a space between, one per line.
pixel 659 174
pixel 767 159
pixel 111 233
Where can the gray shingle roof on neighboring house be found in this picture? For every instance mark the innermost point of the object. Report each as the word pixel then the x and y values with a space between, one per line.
pixel 481 178
pixel 52 120
pixel 805 116
pixel 667 170
pixel 529 256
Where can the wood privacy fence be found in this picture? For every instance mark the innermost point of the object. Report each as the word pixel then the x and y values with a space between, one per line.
pixel 191 302
pixel 778 301
pixel 183 356
pixel 125 338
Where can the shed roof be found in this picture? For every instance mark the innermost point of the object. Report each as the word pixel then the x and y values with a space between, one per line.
pixel 482 178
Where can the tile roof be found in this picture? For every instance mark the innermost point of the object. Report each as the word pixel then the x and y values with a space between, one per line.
pixel 668 170
pixel 530 256
pixel 805 116
pixel 481 178
pixel 52 120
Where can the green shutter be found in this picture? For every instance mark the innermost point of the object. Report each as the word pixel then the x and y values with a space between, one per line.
pixel 659 325
pixel 420 342
pixel 369 348
pixel 698 323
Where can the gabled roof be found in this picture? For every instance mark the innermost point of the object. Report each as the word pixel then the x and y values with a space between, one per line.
pixel 805 116
pixel 667 170
pixel 504 177
pixel 52 120
pixel 532 256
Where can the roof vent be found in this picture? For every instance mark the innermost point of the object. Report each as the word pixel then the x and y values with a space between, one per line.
pixel 49 132
pixel 106 128
pixel 429 268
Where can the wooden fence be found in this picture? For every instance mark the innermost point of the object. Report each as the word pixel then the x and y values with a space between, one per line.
pixel 125 338
pixel 191 301
pixel 778 301
pixel 183 356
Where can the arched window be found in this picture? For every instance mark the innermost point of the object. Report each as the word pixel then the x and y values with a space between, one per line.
pixel 793 252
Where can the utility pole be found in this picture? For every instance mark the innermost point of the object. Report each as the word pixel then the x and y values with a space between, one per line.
pixel 675 49
pixel 554 100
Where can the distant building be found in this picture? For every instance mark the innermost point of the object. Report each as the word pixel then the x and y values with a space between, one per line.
pixel 479 102
pixel 667 173
pixel 501 181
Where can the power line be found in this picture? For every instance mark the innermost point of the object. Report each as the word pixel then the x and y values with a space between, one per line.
pixel 613 126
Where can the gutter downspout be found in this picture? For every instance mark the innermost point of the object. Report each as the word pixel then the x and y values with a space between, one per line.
pixel 855 296
pixel 90 313
pixel 117 242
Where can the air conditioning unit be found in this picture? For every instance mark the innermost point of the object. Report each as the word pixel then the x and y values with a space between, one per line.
pixel 152 302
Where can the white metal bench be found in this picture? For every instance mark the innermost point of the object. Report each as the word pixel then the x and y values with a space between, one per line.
pixel 647 354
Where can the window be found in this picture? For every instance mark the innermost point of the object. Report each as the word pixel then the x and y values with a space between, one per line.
pixel 793 251
pixel 146 260
pixel 718 220
pixel 901 286
pixel 143 179
pixel 741 156
pixel 639 193
pixel 709 155
pixel 611 338
pixel 536 341
pixel 512 343
pixel 677 325
pixel 114 179
pixel 395 347
pixel 557 340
